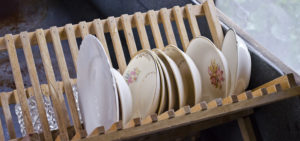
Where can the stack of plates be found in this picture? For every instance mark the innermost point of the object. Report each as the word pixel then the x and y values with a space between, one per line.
pixel 158 80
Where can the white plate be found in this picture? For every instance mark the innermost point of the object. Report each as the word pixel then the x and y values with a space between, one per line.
pixel 212 66
pixel 176 92
pixel 239 61
pixel 125 99
pixel 142 76
pixel 189 72
pixel 98 98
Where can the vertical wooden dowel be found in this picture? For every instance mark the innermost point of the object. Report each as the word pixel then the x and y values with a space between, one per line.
pixel 166 20
pixel 1 133
pixel 140 25
pixel 192 21
pixel 153 18
pixel 66 80
pixel 11 49
pixel 181 27
pixel 35 85
pixel 126 24
pixel 213 23
pixel 72 43
pixel 114 33
pixel 246 129
pixel 83 28
pixel 98 28
pixel 7 115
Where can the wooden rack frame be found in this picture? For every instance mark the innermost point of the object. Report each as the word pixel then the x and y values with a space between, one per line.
pixel 203 113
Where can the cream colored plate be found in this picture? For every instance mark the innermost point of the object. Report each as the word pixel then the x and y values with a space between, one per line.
pixel 212 66
pixel 125 98
pixel 189 72
pixel 142 76
pixel 98 98
pixel 173 79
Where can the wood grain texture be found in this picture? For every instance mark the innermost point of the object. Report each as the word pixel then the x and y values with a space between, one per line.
pixel 53 88
pixel 14 62
pixel 1 133
pixel 84 29
pixel 198 117
pixel 7 115
pixel 213 23
pixel 66 80
pixel 35 85
pixel 139 19
pixel 153 20
pixel 165 17
pixel 99 31
pixel 72 43
pixel 197 11
pixel 112 25
pixel 181 27
pixel 192 20
pixel 246 129
pixel 127 28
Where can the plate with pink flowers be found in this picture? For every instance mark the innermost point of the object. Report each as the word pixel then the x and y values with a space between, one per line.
pixel 213 68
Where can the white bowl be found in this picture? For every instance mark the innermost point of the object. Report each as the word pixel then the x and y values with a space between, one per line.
pixel 125 98
pixel 190 75
pixel 143 78
pixel 98 98
pixel 239 60
pixel 212 66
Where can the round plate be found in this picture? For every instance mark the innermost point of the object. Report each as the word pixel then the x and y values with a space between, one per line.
pixel 176 92
pixel 98 98
pixel 125 99
pixel 163 102
pixel 189 72
pixel 230 51
pixel 142 76
pixel 212 66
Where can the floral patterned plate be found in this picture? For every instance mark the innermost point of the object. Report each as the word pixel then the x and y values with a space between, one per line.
pixel 142 76
pixel 190 75
pixel 212 66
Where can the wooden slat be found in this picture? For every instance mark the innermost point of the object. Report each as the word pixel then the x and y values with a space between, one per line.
pixel 192 20
pixel 165 17
pixel 153 18
pixel 198 117
pixel 246 129
pixel 66 80
pixel 196 10
pixel 9 40
pixel 72 43
pixel 99 31
pixel 1 133
pixel 112 25
pixel 35 85
pixel 126 24
pixel 84 29
pixel 55 93
pixel 140 24
pixel 213 23
pixel 7 115
pixel 181 27
pixel 285 78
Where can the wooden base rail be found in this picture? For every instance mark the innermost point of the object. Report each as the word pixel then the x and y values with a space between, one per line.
pixel 235 107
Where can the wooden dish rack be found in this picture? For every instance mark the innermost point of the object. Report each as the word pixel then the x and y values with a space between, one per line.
pixel 183 121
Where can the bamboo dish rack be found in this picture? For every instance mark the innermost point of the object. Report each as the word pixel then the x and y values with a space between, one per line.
pixel 201 116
